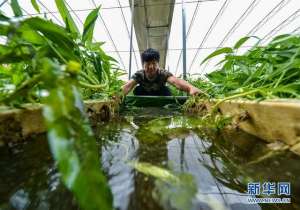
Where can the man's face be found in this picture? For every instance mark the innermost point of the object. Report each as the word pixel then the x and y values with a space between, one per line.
pixel 151 68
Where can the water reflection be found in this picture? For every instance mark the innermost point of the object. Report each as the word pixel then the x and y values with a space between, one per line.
pixel 29 178
pixel 217 161
pixel 221 165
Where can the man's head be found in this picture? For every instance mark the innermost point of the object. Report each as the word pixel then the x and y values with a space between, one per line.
pixel 150 60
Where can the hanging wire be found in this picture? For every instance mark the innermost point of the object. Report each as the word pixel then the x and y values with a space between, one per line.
pixel 281 25
pixel 267 17
pixel 215 21
pixel 177 49
pixel 189 30
pixel 38 13
pixel 249 9
pixel 269 35
pixel 271 14
pixel 253 4
pixel 3 3
pixel 110 37
pixel 49 12
pixel 78 18
pixel 295 31
pixel 128 32
pixel 25 11
pixel 136 6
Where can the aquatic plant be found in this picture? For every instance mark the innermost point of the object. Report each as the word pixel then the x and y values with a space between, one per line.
pixel 48 63
pixel 28 40
pixel 172 190
pixel 263 72
pixel 176 190
pixel 73 145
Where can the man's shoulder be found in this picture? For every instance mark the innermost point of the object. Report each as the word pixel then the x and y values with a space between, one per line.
pixel 165 72
pixel 139 72
pixel 138 76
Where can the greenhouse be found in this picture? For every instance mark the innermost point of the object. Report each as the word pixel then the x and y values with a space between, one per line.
pixel 149 105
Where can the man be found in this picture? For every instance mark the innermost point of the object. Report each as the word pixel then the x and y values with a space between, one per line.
pixel 152 80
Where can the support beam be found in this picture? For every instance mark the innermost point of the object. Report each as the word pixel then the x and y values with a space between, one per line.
pixel 183 41
pixel 152 23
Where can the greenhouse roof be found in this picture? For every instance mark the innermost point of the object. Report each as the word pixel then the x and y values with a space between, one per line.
pixel 211 24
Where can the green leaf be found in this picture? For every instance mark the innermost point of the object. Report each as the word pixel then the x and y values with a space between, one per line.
pixel 218 52
pixel 3 17
pixel 15 54
pixel 173 191
pixel 239 43
pixel 30 35
pixel 16 8
pixel 56 34
pixel 48 27
pixel 280 37
pixel 72 142
pixel 157 172
pixel 98 67
pixel 35 5
pixel 94 46
pixel 89 25
pixel 4 29
pixel 285 38
pixel 66 16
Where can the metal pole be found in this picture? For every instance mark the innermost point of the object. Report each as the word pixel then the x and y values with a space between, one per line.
pixel 182 153
pixel 183 40
pixel 131 34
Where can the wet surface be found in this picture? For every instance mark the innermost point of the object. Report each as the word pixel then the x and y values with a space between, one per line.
pixel 29 178
pixel 220 165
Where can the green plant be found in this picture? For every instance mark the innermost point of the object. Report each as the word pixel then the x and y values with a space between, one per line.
pixel 44 62
pixel 175 191
pixel 31 39
pixel 263 72
pixel 72 142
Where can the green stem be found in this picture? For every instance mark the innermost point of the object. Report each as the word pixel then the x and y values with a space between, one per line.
pixel 25 86
pixel 234 96
pixel 87 77
pixel 55 50
pixel 286 68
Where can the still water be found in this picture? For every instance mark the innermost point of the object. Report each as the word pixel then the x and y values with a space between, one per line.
pixel 213 168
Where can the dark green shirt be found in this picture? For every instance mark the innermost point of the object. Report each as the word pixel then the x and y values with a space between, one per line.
pixel 154 85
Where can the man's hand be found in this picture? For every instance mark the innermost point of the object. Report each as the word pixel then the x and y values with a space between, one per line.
pixel 118 97
pixel 197 92
pixel 185 86
pixel 128 86
pixel 194 91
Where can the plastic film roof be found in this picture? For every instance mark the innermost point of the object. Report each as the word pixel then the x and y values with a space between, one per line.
pixel 211 24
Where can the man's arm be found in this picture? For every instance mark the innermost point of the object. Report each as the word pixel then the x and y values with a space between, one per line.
pixel 183 85
pixel 128 86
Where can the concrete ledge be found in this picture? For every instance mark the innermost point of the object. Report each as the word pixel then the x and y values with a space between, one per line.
pixel 18 124
pixel 272 120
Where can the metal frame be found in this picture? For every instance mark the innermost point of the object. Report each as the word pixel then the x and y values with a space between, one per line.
pixel 188 33
pixel 215 21
pixel 279 6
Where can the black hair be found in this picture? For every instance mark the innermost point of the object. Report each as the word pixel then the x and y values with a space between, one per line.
pixel 150 55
